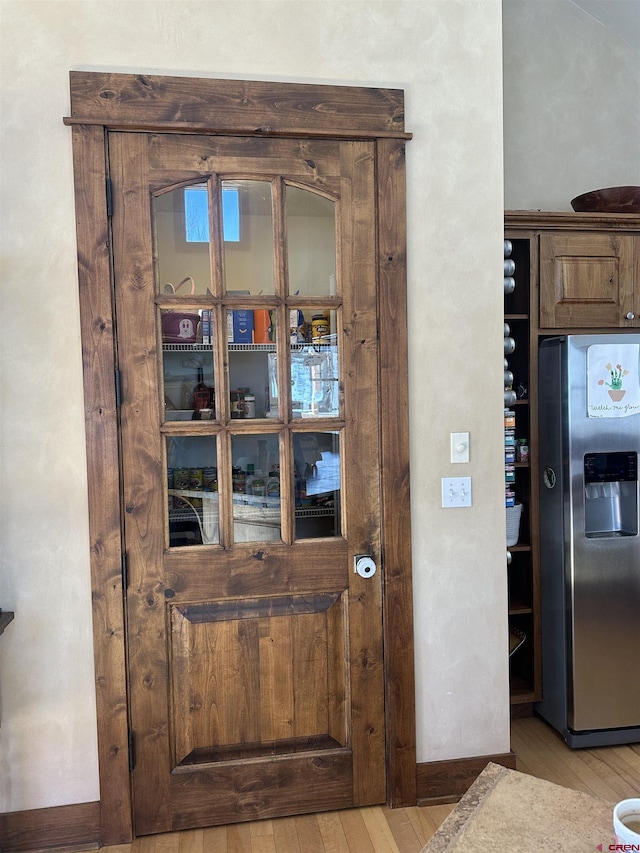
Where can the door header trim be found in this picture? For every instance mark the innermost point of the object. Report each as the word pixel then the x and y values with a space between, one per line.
pixel 236 107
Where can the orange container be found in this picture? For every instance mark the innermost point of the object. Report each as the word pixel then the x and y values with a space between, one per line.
pixel 262 326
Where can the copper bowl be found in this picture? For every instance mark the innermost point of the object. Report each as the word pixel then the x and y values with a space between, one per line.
pixel 609 200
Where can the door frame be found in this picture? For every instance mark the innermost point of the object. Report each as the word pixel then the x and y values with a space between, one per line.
pixel 101 102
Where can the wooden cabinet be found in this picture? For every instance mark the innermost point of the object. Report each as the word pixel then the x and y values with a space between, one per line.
pixel 574 273
pixel 585 269
pixel 589 280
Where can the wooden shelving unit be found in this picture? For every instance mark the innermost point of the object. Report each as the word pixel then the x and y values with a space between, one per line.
pixel 523 569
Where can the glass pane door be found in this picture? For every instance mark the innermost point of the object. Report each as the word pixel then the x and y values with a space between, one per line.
pixel 249 359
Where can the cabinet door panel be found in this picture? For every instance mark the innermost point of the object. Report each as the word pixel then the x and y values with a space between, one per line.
pixel 586 280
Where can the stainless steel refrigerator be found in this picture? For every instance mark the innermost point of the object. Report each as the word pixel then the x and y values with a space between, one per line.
pixel 589 440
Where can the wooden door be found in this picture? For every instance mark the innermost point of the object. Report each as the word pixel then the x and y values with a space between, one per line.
pixel 254 647
pixel 586 281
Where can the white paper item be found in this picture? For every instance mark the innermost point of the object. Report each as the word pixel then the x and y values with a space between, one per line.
pixel 613 381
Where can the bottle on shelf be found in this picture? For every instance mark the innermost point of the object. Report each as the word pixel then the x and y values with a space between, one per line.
pixel 202 396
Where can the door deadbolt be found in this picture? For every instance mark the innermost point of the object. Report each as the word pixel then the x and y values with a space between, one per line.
pixel 364 566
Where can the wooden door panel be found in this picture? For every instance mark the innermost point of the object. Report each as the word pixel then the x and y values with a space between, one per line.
pixel 256 669
pixel 314 159
pixel 257 677
pixel 259 570
pixel 261 788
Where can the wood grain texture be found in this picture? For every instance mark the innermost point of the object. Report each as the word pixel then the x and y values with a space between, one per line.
pixel 256 570
pixel 244 791
pixel 394 463
pixel 446 781
pixel 142 469
pixel 277 668
pixel 586 280
pixel 536 220
pixel 98 358
pixel 361 487
pixel 310 162
pixel 246 682
pixel 61 826
pixel 611 772
pixel 143 100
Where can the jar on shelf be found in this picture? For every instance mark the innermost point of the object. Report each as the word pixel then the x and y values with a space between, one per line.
pixel 181 478
pixel 210 479
pixel 249 406
pixel 320 328
pixel 238 479
pixel 236 397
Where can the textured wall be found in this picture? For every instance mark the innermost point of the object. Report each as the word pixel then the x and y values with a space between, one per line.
pixel 447 58
pixel 571 105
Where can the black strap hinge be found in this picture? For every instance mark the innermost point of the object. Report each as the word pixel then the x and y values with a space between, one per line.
pixel 109 191
pixel 132 752
pixel 118 381
pixel 125 571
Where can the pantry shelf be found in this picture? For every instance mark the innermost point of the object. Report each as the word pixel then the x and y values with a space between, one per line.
pixel 523 570
pixel 271 347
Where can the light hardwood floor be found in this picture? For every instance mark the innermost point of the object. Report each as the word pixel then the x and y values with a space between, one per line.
pixel 612 773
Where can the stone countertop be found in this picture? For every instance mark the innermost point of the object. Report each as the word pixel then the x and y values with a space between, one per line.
pixel 505 810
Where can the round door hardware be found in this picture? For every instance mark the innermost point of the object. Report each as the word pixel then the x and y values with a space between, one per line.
pixel 364 566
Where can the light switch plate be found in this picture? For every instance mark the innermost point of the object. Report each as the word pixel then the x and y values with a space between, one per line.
pixel 459 446
pixel 456 491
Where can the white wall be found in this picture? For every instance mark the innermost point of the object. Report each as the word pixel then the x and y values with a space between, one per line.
pixel 446 55
pixel 571 105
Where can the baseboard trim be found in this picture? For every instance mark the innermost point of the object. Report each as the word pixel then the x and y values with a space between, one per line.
pixel 79 825
pixel 63 827
pixel 446 781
